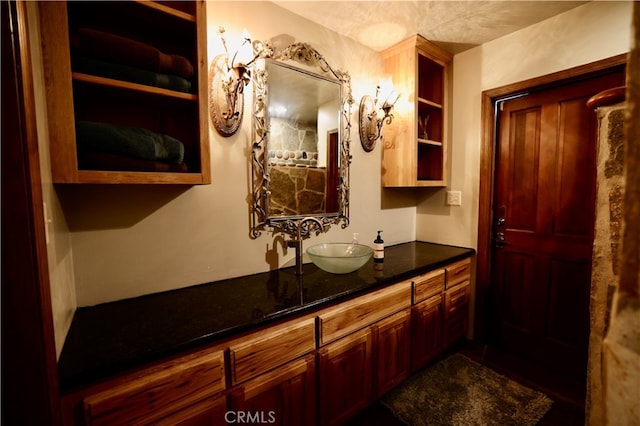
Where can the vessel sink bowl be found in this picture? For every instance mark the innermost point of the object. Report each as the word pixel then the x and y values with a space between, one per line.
pixel 339 258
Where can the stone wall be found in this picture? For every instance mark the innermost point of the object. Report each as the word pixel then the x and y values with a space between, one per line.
pixel 297 185
pixel 605 268
pixel 614 363
pixel 292 142
pixel 296 190
pixel 621 347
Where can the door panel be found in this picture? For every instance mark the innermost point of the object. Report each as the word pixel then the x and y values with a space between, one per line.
pixel 518 271
pixel 522 166
pixel 575 170
pixel 565 290
pixel 544 209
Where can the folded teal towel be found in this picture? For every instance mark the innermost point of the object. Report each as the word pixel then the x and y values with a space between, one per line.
pixel 134 75
pixel 133 141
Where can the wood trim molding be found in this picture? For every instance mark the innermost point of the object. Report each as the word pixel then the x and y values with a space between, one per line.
pixel 29 369
pixel 487 163
pixel 607 97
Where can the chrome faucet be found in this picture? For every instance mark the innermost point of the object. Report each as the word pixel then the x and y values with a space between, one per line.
pixel 303 228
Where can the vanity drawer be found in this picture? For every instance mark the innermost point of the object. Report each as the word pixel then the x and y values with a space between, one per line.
pixel 427 285
pixel 159 391
pixel 347 317
pixel 458 272
pixel 271 348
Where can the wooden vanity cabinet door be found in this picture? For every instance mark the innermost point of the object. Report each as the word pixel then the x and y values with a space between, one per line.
pixel 426 331
pixel 345 373
pixel 456 313
pixel 392 346
pixel 284 396
pixel 456 300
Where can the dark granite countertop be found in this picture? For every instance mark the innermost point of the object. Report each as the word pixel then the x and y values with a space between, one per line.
pixel 112 337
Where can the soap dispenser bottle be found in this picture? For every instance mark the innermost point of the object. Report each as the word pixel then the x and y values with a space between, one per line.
pixel 378 249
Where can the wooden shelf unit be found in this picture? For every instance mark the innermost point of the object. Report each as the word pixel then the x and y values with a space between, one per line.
pixel 415 144
pixel 177 28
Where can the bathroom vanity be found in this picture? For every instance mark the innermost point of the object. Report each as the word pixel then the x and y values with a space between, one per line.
pixel 281 348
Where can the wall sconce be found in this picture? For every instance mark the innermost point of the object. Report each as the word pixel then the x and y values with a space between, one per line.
pixel 228 75
pixel 374 114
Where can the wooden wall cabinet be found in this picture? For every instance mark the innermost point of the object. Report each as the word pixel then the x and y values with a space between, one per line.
pixel 88 83
pixel 415 143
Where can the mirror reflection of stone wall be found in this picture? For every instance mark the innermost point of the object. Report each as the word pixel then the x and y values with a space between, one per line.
pixel 293 143
pixel 297 184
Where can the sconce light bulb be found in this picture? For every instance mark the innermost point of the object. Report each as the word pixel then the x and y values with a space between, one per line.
pixel 246 36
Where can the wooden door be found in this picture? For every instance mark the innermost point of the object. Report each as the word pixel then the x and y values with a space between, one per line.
pixel 543 223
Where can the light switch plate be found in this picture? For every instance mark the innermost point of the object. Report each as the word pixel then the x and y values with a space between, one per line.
pixel 454 198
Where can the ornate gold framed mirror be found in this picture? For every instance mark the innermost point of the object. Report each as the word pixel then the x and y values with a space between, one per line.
pixel 301 143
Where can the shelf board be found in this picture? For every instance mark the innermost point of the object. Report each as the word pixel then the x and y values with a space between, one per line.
pixel 430 103
pixel 432 183
pixel 109 82
pixel 167 10
pixel 429 142
pixel 124 177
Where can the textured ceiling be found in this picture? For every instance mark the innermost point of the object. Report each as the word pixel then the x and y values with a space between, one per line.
pixel 454 25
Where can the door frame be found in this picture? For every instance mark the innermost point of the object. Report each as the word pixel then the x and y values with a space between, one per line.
pixel 490 99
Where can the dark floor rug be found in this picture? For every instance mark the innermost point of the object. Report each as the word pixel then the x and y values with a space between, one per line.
pixel 459 391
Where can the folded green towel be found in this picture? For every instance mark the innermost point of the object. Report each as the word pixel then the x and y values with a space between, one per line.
pixel 134 75
pixel 127 140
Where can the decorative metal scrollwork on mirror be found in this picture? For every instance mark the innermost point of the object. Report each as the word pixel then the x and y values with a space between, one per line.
pixel 301 151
